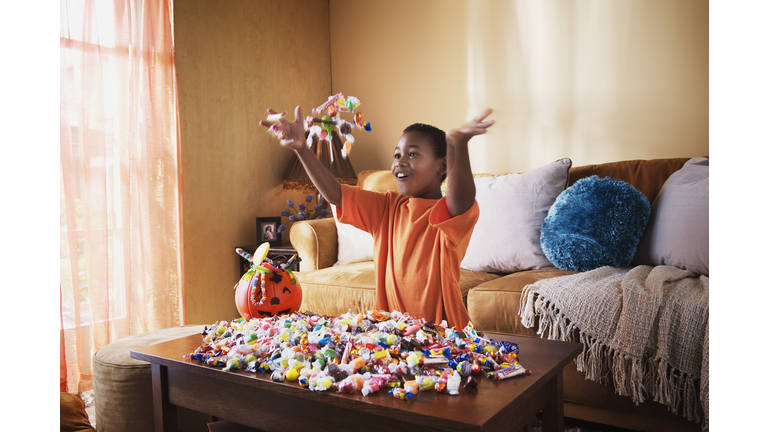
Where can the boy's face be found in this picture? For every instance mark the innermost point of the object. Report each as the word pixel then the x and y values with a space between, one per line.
pixel 416 168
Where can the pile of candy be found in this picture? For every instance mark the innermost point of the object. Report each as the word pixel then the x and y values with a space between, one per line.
pixel 359 352
pixel 324 118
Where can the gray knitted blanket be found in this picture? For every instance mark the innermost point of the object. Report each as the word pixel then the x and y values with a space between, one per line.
pixel 646 329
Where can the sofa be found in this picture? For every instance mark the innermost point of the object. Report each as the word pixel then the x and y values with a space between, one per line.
pixel 332 286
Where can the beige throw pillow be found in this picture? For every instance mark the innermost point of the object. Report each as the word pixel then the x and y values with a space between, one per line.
pixel 678 230
pixel 506 237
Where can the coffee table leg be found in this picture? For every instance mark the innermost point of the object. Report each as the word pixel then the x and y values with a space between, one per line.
pixel 165 412
pixel 552 418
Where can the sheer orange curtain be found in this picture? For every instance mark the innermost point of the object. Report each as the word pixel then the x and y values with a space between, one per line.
pixel 120 179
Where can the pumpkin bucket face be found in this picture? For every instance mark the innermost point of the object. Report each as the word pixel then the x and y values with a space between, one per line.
pixel 280 294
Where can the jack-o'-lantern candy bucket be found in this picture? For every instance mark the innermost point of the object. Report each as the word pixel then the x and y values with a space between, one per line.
pixel 267 289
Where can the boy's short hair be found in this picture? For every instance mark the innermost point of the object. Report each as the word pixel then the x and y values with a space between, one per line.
pixel 435 136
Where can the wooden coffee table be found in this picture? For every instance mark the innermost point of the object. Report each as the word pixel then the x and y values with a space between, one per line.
pixel 253 399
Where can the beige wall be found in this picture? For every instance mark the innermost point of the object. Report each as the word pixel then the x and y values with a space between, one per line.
pixel 596 81
pixel 234 59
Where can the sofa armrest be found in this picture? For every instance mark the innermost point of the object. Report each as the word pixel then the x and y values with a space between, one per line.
pixel 316 242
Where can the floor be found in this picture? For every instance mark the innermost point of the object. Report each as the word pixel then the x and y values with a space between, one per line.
pixel 574 425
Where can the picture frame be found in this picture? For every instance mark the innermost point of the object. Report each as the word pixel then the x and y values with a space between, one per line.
pixel 266 230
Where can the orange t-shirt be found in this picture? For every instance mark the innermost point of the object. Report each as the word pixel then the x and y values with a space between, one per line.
pixel 417 250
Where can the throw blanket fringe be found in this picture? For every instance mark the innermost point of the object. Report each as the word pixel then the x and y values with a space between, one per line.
pixel 632 323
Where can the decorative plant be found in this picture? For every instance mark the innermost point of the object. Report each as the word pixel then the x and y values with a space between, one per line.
pixel 301 213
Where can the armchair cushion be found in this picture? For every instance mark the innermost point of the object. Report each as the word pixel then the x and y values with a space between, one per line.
pixel 333 291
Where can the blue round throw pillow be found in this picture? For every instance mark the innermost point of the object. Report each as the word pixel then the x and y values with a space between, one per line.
pixel 594 223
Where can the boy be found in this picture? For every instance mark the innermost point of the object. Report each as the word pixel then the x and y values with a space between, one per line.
pixel 419 236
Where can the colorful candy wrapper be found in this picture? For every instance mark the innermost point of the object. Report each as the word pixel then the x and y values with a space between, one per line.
pixel 278 375
pixel 352 103
pixel 275 117
pixel 411 386
pixel 307 350
pixel 471 383
pixel 320 128
pixel 500 375
pixel 331 100
pixel 400 393
pixel 425 382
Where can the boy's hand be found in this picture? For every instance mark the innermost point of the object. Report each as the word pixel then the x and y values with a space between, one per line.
pixel 291 134
pixel 476 126
pixel 461 186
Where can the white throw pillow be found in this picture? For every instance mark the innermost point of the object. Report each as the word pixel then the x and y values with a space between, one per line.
pixel 507 235
pixel 355 245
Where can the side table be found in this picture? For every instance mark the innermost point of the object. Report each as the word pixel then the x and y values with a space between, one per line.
pixel 284 252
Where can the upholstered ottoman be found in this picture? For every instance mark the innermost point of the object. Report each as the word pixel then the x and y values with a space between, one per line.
pixel 123 386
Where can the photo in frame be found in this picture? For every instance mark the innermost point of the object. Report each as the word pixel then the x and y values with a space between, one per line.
pixel 266 231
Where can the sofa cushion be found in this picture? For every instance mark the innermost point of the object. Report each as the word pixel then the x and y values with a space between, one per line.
pixel 335 290
pixel 355 245
pixel 512 209
pixel 332 291
pixel 494 305
pixel 678 230
pixel 596 222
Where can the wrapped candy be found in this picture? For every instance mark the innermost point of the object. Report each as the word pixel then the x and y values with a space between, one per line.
pixel 453 383
pixel 464 368
pixel 358 363
pixel 278 375
pixel 351 384
pixel 509 373
pixel 275 117
pixel 323 119
pixel 399 369
pixel 304 376
pixel 352 103
pixel 425 382
pixel 471 383
pixel 232 364
pixel 401 393
pixel 362 124
pixel 374 384
pixel 358 352
pixel 320 382
pixel 331 100
pixel 291 375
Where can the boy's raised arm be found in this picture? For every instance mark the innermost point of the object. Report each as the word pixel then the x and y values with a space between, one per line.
pixel 460 184
pixel 292 136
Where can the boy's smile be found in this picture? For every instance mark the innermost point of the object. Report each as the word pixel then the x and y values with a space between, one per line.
pixel 416 168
